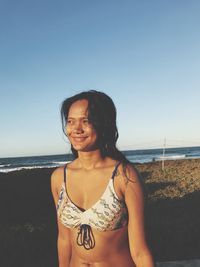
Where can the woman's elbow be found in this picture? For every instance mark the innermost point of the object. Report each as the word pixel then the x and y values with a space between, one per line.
pixel 142 257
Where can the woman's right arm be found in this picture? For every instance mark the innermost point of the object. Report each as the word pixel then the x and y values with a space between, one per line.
pixel 63 241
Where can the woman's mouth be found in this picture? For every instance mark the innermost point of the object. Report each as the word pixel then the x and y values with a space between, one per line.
pixel 79 139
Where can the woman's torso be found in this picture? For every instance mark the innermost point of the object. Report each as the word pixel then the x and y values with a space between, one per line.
pixel 84 189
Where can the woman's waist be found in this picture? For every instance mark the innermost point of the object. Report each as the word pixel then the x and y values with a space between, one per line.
pixel 95 259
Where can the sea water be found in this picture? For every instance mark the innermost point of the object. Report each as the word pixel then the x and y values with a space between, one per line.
pixel 136 156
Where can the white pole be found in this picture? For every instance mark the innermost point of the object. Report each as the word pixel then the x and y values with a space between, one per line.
pixel 163 159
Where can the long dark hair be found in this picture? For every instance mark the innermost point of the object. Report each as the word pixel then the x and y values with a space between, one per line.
pixel 102 115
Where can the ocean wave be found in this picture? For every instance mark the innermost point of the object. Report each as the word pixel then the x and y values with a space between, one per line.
pixel 168 157
pixel 59 162
pixel 4 165
pixel 13 169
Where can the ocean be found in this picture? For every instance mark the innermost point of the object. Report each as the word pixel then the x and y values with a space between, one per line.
pixel 136 156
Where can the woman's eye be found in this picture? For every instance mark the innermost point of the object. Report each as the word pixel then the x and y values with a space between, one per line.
pixel 69 121
pixel 86 121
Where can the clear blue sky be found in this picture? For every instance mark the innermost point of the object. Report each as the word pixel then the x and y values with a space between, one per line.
pixel 144 54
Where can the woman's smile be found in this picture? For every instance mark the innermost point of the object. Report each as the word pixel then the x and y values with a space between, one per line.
pixel 78 139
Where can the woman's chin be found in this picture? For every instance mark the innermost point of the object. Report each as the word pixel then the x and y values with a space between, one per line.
pixel 82 148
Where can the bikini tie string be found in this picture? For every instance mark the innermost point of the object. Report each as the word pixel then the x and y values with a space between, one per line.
pixel 85 237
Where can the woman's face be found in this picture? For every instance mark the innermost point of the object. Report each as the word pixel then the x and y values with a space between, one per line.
pixel 79 130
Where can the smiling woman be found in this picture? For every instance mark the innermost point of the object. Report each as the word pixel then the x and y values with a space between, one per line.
pixel 98 196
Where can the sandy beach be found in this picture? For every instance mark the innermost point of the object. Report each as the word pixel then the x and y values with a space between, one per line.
pixel 28 220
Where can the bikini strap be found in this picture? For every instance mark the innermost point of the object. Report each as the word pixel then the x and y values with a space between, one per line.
pixel 115 170
pixel 65 168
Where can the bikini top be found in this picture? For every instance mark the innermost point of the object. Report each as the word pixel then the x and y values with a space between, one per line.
pixel 107 214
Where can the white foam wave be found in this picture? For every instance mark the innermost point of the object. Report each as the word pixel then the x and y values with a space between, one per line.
pixel 4 165
pixel 172 157
pixel 31 167
pixel 59 162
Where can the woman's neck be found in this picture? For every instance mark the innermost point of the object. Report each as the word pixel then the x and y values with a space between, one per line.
pixel 90 160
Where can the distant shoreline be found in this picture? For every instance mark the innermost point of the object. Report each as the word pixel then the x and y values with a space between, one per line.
pixel 140 156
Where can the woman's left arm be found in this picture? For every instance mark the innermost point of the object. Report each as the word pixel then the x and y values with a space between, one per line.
pixel 134 199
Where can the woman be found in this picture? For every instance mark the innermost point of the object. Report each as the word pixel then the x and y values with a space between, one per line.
pixel 98 196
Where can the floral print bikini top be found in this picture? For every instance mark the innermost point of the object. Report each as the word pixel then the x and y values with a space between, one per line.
pixel 107 214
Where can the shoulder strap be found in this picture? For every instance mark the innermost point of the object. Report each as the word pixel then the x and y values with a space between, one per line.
pixel 65 167
pixel 115 170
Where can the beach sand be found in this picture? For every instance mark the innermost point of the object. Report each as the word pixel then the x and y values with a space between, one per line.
pixel 28 221
pixel 172 210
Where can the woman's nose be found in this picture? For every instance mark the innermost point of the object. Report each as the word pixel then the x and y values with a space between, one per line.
pixel 78 126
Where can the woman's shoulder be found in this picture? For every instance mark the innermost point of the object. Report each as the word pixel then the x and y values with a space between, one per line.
pixel 131 178
pixel 57 176
pixel 128 168
pixel 128 173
